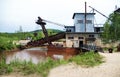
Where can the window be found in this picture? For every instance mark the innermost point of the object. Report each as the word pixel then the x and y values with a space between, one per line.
pixel 70 37
pixel 91 35
pixel 89 21
pixel 80 37
pixel 80 21
pixel 68 30
pixel 97 29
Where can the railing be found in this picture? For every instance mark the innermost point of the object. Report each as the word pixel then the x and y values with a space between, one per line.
pixel 91 48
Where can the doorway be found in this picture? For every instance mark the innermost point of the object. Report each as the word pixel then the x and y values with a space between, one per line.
pixel 80 43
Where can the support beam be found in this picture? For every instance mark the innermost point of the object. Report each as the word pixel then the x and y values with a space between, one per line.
pixel 85 15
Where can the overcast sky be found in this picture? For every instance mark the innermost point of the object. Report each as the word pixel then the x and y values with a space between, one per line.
pixel 16 13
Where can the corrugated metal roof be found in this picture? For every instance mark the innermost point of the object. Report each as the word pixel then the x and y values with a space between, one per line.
pixel 69 26
pixel 82 13
pixel 82 32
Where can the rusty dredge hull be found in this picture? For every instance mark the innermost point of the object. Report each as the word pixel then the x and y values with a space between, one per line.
pixel 52 50
pixel 64 52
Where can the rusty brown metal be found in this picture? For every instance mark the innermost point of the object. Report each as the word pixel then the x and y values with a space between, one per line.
pixel 66 52
pixel 42 41
pixel 52 50
pixel 40 22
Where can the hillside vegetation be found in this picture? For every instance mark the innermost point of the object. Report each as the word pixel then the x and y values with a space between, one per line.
pixel 6 39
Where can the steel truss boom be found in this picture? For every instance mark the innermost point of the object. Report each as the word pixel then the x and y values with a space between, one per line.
pixel 99 12
pixel 52 22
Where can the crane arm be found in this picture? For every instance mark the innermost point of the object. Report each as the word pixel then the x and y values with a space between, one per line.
pixel 99 12
pixel 51 22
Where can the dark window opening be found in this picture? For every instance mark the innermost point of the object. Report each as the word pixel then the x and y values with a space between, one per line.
pixel 68 30
pixel 97 29
pixel 80 21
pixel 70 37
pixel 91 35
pixel 80 37
pixel 88 21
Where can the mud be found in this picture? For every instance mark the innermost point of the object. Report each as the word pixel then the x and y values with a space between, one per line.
pixel 35 55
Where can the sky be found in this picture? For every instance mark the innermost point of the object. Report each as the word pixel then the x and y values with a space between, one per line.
pixel 16 13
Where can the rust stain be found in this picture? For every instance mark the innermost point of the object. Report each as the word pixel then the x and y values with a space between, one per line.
pixel 66 52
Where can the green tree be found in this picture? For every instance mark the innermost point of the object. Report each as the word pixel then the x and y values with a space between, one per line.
pixel 111 31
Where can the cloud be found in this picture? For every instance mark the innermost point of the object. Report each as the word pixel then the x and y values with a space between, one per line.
pixel 25 12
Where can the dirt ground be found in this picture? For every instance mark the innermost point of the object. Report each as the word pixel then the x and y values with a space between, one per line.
pixel 111 68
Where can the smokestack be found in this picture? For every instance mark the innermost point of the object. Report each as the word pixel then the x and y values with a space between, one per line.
pixel 85 14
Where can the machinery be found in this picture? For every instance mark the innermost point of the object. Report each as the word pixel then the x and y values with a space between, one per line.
pixel 53 51
pixel 42 23
pixel 100 13
pixel 46 39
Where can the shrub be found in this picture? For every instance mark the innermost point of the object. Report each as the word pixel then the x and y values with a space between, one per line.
pixel 6 44
pixel 88 59
pixel 4 68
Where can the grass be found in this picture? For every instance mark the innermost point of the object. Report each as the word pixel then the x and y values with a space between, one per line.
pixel 4 68
pixel 114 49
pixel 28 67
pixel 88 59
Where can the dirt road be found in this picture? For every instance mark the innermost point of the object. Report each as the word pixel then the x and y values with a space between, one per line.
pixel 111 68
